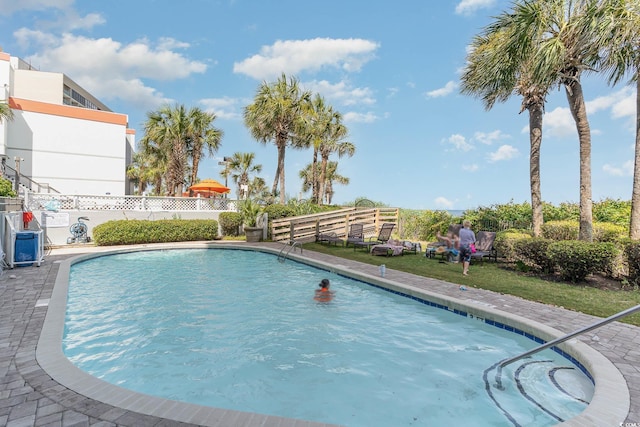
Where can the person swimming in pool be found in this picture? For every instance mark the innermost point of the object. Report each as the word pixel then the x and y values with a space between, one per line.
pixel 324 294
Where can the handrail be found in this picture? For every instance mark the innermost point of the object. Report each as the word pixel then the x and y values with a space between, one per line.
pixel 291 244
pixel 562 339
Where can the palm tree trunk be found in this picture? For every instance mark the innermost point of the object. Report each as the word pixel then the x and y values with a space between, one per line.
pixel 634 227
pixel 575 97
pixel 314 175
pixel 281 151
pixel 323 176
pixel 535 140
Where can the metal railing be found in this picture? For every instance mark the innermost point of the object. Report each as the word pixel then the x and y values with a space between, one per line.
pixel 562 339
pixel 24 181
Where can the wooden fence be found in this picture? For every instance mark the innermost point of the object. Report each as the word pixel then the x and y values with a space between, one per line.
pixel 305 228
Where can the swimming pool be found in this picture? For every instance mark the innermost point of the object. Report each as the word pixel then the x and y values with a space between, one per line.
pixel 427 356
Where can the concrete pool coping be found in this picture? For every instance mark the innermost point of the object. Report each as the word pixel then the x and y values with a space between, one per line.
pixel 610 405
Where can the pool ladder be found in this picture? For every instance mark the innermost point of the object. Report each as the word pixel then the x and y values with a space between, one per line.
pixel 562 339
pixel 289 246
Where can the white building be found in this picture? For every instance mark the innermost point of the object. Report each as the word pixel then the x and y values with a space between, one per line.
pixel 63 137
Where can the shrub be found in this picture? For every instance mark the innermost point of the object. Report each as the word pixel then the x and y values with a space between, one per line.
pixel 6 188
pixel 423 225
pixel 505 243
pixel 576 259
pixel 230 223
pixel 131 232
pixel 607 232
pixel 632 255
pixel 560 230
pixel 533 254
pixel 278 211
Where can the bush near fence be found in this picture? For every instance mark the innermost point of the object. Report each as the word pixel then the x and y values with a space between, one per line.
pixel 132 232
pixel 230 223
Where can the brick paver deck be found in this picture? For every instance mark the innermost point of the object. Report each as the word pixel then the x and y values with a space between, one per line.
pixel 29 397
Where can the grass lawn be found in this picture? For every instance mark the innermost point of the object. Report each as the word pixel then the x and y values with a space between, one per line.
pixel 490 276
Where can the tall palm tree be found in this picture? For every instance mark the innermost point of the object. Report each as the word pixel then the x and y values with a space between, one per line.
pixel 331 176
pixel 241 168
pixel 5 111
pixel 277 115
pixel 321 116
pixel 493 75
pixel 620 27
pixel 167 132
pixel 334 143
pixel 558 37
pixel 202 137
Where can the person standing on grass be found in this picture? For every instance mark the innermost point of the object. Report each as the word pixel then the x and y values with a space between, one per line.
pixel 467 238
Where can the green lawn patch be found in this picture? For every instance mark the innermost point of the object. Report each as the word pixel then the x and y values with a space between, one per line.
pixel 491 276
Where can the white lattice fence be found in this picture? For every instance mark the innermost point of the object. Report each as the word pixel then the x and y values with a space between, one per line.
pixel 55 202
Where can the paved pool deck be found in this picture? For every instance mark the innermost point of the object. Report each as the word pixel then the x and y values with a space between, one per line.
pixel 30 397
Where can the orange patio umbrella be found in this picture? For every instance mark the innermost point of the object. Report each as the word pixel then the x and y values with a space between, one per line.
pixel 208 186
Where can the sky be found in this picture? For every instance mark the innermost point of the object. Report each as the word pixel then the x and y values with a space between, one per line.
pixel 391 68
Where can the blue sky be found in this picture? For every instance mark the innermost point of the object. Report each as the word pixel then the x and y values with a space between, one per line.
pixel 391 68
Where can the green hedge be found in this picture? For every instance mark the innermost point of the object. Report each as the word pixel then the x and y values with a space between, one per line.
pixel 575 259
pixel 131 232
pixel 505 243
pixel 632 255
pixel 568 230
pixel 533 254
pixel 230 223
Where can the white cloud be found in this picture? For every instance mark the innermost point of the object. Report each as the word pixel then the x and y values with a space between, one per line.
pixel 115 70
pixel 341 92
pixel 459 142
pixel 608 101
pixel 489 138
pixel 353 117
pixel 625 107
pixel 467 7
pixel 443 91
pixel 559 123
pixel 295 56
pixel 7 7
pixel 625 170
pixel 470 168
pixel 224 108
pixel 443 203
pixel 505 152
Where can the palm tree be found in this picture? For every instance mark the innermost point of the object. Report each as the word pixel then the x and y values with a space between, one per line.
pixel 241 167
pixel 620 27
pixel 321 116
pixel 201 136
pixel 166 135
pixel 5 111
pixel 331 176
pixel 493 75
pixel 334 143
pixel 558 38
pixel 277 115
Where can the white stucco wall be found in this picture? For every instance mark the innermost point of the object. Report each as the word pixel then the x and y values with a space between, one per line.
pixel 74 156
pixel 38 85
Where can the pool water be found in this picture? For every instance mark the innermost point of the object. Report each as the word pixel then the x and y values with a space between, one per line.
pixel 236 329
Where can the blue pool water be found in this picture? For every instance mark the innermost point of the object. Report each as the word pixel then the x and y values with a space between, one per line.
pixel 236 329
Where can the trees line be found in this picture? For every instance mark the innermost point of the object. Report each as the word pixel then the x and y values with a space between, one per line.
pixel 281 113
pixel 539 44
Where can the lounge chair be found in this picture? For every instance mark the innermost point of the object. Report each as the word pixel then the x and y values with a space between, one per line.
pixel 484 246
pixel 329 238
pixel 383 236
pixel 389 248
pixel 411 247
pixel 356 234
